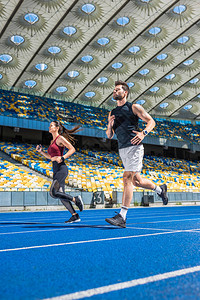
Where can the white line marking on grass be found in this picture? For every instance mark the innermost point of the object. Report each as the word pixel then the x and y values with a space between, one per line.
pixel 93 241
pixel 35 231
pixel 126 284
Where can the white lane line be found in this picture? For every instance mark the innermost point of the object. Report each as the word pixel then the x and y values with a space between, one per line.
pixel 167 221
pixel 36 219
pixel 92 225
pixel 163 229
pixel 194 229
pixel 126 284
pixel 66 228
pixel 137 216
pixel 33 224
pixel 164 216
pixel 99 240
pixel 161 216
pixel 5 233
pixel 83 221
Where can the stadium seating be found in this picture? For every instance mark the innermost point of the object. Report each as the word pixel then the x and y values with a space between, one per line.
pixel 89 116
pixel 84 172
pixel 177 131
pixel 14 178
pixel 24 106
pixel 13 104
pixel 94 170
pixel 178 174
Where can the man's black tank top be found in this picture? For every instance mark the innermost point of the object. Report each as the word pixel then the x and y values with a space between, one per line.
pixel 125 122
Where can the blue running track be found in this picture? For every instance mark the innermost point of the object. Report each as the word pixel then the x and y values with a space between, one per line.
pixel 156 257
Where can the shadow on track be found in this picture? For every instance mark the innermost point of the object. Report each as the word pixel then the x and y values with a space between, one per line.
pixel 105 227
pixel 21 223
pixel 56 225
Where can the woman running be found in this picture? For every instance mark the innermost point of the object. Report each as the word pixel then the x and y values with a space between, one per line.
pixel 61 140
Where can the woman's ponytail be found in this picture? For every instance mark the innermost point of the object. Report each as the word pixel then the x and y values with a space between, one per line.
pixel 66 132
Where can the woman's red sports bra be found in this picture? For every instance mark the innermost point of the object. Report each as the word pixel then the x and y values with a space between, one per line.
pixel 55 150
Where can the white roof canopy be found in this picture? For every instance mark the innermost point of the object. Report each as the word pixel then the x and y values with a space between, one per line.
pixel 76 50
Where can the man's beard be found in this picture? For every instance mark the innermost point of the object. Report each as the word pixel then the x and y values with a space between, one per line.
pixel 118 97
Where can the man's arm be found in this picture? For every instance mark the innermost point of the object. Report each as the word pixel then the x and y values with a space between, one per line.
pixel 142 114
pixel 110 131
pixel 150 123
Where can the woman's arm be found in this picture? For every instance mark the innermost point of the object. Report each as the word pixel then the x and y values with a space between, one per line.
pixel 39 149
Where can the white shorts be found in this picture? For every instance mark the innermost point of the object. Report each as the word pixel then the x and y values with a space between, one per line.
pixel 132 158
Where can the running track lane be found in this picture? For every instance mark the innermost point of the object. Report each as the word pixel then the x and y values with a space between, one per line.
pixel 53 271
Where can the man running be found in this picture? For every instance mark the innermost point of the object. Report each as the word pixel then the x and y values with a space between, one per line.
pixel 123 121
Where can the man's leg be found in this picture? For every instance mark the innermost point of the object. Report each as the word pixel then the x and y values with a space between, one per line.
pixel 128 188
pixel 144 183
pixel 120 219
pixel 127 193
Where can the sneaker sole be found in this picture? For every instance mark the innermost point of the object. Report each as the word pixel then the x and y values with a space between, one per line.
pixel 73 221
pixel 110 222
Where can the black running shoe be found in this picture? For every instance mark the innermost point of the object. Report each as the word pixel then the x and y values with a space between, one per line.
pixel 163 195
pixel 73 219
pixel 79 202
pixel 117 221
pixel 54 188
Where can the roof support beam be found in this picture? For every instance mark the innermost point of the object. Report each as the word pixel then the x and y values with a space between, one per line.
pixel 124 49
pixel 46 39
pixel 86 46
pixel 196 117
pixel 182 106
pixel 11 16
pixel 172 68
pixel 179 86
pixel 152 58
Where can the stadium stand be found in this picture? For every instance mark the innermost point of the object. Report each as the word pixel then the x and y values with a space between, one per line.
pixel 176 130
pixel 14 178
pixel 18 105
pixel 94 170
pixel 178 174
pixel 84 172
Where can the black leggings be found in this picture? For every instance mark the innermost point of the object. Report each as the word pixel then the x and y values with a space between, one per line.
pixel 60 172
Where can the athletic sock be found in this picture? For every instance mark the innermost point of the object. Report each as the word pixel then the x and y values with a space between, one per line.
pixel 157 189
pixel 123 212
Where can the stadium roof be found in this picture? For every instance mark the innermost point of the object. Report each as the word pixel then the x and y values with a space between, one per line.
pixel 74 50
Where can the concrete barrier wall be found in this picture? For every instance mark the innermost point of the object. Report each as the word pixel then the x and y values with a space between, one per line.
pixel 11 199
